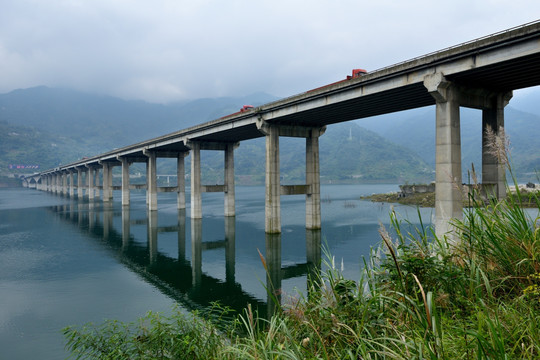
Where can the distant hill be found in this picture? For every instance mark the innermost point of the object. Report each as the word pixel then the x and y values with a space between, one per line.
pixel 106 120
pixel 47 127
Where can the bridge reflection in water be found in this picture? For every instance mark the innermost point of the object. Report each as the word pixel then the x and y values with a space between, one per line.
pixel 181 278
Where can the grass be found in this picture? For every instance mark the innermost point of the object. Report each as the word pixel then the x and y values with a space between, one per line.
pixel 420 297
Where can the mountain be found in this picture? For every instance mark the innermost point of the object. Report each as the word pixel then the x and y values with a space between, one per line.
pixel 46 127
pixel 106 120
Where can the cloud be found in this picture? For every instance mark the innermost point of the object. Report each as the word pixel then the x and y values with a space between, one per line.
pixel 167 50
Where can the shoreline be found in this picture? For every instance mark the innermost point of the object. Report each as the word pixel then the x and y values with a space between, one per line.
pixel 427 199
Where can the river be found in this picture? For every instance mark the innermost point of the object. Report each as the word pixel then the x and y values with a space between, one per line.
pixel 67 262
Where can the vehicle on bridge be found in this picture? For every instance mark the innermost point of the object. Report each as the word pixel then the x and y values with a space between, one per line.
pixel 242 110
pixel 246 108
pixel 356 73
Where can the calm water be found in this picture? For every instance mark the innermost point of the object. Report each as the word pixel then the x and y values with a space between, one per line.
pixel 68 262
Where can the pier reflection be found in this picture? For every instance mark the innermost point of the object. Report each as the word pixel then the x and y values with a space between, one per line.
pixel 134 239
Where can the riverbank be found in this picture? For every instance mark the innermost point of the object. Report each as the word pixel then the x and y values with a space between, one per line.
pixel 427 199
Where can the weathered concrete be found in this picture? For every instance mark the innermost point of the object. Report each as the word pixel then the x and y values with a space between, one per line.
pixel 181 180
pixel 313 180
pixel 107 182
pixel 80 190
pixel 125 181
pixel 273 187
pixel 272 224
pixel 493 163
pixel 196 200
pixel 448 202
pixel 71 183
pixel 64 183
pixel 90 183
pixel 151 180
pixel 230 209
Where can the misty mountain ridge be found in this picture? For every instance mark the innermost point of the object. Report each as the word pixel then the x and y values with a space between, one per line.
pixel 66 125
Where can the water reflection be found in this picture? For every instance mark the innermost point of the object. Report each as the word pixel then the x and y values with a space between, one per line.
pixel 119 232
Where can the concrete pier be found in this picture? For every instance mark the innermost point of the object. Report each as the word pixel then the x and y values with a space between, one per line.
pixel 493 168
pixel 71 183
pixel 151 180
pixel 64 178
pixel 274 189
pixel 80 190
pixel 107 181
pixel 181 178
pixel 230 209
pixel 90 182
pixel 448 200
pixel 196 199
pixel 272 207
pixel 448 194
pixel 228 188
pixel 125 181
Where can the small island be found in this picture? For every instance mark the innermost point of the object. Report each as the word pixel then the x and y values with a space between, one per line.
pixel 423 195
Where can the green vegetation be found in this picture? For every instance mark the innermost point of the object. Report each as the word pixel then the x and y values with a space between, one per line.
pixel 423 298
pixel 426 199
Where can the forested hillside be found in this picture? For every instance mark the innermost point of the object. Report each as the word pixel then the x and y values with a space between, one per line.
pixel 48 127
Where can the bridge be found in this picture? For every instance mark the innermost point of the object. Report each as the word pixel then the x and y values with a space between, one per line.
pixel 479 74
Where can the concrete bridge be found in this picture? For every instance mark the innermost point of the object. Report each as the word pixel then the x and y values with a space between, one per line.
pixel 479 74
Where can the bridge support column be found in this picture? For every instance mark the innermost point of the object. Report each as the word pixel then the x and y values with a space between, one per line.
pixel 272 222
pixel 274 190
pixel 230 209
pixel 56 183
pixel 90 183
pixel 493 167
pixel 125 181
pixel 80 190
pixel 197 189
pixel 196 198
pixel 313 181
pixel 64 184
pixel 181 178
pixel 151 180
pixel 96 182
pixel 107 182
pixel 71 184
pixel 448 196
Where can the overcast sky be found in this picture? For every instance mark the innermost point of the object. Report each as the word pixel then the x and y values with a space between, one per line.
pixel 167 50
